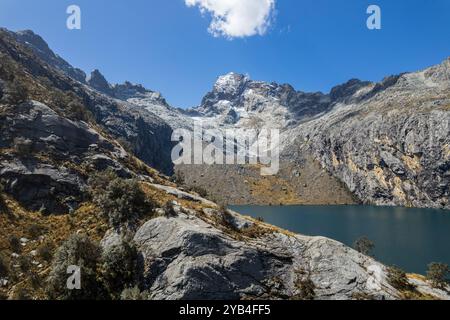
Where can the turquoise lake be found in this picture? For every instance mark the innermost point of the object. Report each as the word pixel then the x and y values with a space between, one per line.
pixel 408 238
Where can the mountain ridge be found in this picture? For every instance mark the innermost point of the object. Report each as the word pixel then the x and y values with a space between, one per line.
pixel 238 102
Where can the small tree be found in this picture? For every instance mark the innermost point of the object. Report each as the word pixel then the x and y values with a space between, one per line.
pixel 119 267
pixel 437 274
pixel 45 252
pixel 364 245
pixel 398 279
pixel 14 244
pixel 78 251
pixel 4 267
pixel 17 92
pixel 25 264
pixel 35 230
pixel 121 201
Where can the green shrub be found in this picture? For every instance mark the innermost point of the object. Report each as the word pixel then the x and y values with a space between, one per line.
pixel 14 244
pixel 364 246
pixel 35 230
pixel 398 279
pixel 101 180
pixel 134 294
pixel 35 280
pixel 121 201
pixel 78 251
pixel 45 252
pixel 178 178
pixel 17 92
pixel 169 210
pixel 21 294
pixel 4 266
pixel 77 111
pixel 437 274
pixel 306 289
pixel 305 286
pixel 119 267
pixel 200 191
pixel 3 206
pixel 25 264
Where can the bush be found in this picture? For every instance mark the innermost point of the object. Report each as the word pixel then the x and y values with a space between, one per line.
pixel 45 252
pixel 35 280
pixel 4 267
pixel 398 279
pixel 14 244
pixel 364 246
pixel 79 251
pixel 134 294
pixel 77 111
pixel 178 178
pixel 200 191
pixel 169 210
pixel 17 92
pixel 25 264
pixel 119 267
pixel 121 201
pixel 305 286
pixel 306 289
pixel 21 294
pixel 101 180
pixel 3 206
pixel 35 230
pixel 437 274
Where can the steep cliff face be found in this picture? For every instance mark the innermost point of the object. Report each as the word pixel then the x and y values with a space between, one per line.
pixel 391 147
pixel 36 74
pixel 387 142
pixel 42 50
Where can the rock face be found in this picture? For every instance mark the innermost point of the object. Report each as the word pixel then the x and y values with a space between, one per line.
pixel 42 50
pixel 97 81
pixel 145 133
pixel 50 186
pixel 188 258
pixel 392 147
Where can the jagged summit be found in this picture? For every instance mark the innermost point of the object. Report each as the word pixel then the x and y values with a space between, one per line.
pixel 99 82
pixel 43 51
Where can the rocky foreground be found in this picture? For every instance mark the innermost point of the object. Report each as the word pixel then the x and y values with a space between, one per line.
pixel 215 255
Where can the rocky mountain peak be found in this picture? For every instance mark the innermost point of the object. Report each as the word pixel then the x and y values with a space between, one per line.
pixel 97 81
pixel 230 84
pixel 43 51
pixel 35 40
pixel 348 89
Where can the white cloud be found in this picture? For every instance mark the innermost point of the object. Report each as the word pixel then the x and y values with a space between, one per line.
pixel 236 18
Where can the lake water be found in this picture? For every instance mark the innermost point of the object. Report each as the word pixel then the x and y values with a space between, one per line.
pixel 408 238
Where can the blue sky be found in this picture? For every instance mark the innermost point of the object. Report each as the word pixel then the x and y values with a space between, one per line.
pixel 311 44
